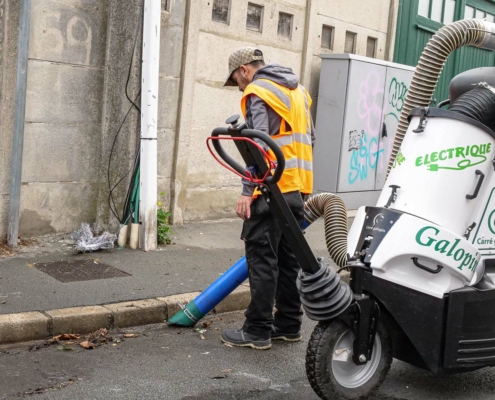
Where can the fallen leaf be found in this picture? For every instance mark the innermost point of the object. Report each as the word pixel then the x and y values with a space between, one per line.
pixel 65 348
pixel 87 345
pixel 130 335
pixel 67 336
pixel 202 337
pixel 102 331
pixel 206 324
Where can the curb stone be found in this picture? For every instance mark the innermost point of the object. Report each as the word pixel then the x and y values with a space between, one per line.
pixel 25 326
pixel 79 319
pixel 35 325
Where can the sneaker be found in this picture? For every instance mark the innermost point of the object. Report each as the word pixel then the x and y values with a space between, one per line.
pixel 288 337
pixel 244 339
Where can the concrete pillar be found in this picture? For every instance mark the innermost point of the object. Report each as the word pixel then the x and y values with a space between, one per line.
pixel 392 30
pixel 183 136
pixel 171 65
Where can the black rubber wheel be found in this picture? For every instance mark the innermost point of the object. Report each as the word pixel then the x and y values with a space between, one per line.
pixel 330 369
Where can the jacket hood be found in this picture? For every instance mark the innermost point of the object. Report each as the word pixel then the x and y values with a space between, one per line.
pixel 278 74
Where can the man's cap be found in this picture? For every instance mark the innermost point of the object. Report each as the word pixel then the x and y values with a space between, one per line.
pixel 242 56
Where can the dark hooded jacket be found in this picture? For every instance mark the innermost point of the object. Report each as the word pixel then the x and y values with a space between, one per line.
pixel 260 115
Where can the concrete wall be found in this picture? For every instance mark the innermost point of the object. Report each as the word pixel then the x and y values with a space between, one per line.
pixel 79 60
pixel 79 57
pixel 63 114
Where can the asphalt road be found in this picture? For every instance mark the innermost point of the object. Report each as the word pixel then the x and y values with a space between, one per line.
pixel 176 363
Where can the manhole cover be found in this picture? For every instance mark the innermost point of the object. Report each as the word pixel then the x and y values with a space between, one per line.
pixel 80 270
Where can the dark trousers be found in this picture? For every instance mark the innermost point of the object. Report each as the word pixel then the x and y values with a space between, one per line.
pixel 272 270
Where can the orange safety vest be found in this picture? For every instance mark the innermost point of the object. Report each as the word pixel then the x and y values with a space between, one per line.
pixel 293 107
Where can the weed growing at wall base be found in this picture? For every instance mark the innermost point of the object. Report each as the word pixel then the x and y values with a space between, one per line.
pixel 164 231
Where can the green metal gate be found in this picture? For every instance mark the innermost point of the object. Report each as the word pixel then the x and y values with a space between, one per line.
pixel 418 20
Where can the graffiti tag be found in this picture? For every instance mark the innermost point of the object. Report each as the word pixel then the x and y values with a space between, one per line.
pixel 364 159
pixel 355 140
pixel 397 94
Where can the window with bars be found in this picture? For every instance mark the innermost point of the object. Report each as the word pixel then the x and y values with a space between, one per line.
pixel 438 10
pixel 350 42
pixel 285 25
pixel 371 47
pixel 254 19
pixel 220 12
pixel 327 33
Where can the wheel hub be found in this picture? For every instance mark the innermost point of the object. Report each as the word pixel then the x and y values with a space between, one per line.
pixel 345 371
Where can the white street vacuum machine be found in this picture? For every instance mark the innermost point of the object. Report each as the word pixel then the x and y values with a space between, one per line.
pixel 422 261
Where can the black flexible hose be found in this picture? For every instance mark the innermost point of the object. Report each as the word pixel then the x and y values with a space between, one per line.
pixel 478 104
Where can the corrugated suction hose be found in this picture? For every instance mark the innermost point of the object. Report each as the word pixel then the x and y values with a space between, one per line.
pixel 334 213
pixel 323 295
pixel 468 32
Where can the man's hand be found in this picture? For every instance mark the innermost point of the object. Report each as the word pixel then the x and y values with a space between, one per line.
pixel 243 208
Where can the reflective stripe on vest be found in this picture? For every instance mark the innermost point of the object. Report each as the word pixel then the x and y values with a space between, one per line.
pixel 294 138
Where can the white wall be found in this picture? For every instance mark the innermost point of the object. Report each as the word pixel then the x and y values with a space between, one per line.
pixel 201 188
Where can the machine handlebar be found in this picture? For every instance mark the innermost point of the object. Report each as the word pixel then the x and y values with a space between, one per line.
pixel 250 134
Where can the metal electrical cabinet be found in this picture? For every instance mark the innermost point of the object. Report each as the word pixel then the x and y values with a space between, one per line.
pixel 359 103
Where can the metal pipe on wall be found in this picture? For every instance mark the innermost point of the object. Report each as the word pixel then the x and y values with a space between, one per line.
pixel 19 116
pixel 149 122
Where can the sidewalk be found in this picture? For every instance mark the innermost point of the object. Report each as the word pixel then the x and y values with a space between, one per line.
pixel 200 253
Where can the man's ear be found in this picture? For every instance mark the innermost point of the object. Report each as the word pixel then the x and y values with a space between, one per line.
pixel 244 71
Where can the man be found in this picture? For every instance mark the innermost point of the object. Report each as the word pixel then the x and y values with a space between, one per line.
pixel 275 103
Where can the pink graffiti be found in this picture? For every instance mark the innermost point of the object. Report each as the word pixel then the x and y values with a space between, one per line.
pixel 370 104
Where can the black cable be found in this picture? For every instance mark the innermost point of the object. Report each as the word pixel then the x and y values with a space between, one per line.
pixel 111 200
pixel 132 60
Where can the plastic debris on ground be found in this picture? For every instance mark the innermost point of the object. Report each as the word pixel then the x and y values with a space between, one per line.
pixel 88 240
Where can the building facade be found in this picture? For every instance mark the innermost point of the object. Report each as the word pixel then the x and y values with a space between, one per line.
pixel 418 20
pixel 79 63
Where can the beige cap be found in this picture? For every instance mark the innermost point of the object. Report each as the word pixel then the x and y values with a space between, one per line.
pixel 242 56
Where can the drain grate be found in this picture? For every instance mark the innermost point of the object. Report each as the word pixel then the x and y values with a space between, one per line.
pixel 80 270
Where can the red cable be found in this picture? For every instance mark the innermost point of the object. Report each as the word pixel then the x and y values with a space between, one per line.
pixel 248 175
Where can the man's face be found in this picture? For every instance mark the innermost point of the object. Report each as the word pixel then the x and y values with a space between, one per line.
pixel 243 76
